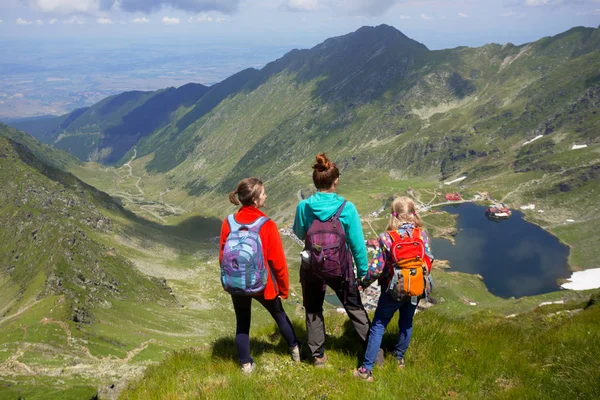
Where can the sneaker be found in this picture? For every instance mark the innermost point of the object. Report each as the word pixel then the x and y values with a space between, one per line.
pixel 364 374
pixel 296 352
pixel 320 361
pixel 248 368
pixel 380 358
pixel 401 363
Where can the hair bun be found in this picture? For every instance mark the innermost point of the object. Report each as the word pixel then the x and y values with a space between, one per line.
pixel 322 163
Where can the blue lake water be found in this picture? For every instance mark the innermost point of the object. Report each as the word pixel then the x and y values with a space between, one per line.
pixel 514 257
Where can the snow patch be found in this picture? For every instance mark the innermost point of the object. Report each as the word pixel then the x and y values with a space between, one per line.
pixel 578 146
pixel 528 207
pixel 532 140
pixel 583 280
pixel 462 178
pixel 547 303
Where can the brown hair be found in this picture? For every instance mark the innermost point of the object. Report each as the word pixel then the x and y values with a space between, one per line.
pixel 325 172
pixel 247 191
pixel 404 211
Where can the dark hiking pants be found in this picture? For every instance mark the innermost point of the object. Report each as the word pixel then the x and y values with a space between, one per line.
pixel 243 307
pixel 313 293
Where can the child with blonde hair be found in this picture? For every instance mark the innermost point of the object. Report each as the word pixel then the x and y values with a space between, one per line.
pixel 404 227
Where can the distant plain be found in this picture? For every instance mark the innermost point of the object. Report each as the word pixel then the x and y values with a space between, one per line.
pixel 58 76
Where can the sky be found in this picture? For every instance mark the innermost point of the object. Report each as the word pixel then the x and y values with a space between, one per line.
pixel 435 23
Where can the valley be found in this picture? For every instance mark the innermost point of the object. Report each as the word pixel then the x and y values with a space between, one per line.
pixel 110 224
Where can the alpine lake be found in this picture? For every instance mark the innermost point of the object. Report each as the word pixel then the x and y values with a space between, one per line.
pixel 515 258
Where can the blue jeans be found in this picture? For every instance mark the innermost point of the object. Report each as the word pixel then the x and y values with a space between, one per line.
pixel 386 308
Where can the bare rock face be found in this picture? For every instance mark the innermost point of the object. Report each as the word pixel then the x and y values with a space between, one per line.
pixel 82 315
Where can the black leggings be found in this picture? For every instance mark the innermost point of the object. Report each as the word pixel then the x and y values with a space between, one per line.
pixel 242 306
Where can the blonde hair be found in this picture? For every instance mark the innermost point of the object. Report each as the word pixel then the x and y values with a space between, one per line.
pixel 404 211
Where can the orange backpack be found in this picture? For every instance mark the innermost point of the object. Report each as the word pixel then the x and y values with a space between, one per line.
pixel 410 266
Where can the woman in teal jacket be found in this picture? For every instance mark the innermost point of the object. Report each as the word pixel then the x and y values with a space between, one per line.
pixel 322 206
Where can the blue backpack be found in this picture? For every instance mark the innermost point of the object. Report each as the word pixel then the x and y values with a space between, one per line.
pixel 243 267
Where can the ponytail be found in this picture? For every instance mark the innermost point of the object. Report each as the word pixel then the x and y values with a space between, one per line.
pixel 247 191
pixel 232 198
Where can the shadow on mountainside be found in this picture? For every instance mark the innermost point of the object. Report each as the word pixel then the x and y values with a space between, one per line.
pixel 197 229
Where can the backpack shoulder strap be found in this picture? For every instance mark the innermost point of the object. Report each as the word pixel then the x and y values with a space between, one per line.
pixel 233 224
pixel 394 235
pixel 339 210
pixel 256 225
pixel 416 234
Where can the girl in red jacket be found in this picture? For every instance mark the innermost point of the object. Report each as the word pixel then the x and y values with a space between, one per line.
pixel 251 193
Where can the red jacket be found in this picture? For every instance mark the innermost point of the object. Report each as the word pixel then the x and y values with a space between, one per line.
pixel 272 249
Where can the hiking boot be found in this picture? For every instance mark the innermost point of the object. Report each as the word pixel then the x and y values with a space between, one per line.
pixel 248 368
pixel 296 352
pixel 380 358
pixel 364 374
pixel 320 361
pixel 401 363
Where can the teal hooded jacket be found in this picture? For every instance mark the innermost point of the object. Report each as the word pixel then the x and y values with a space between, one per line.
pixel 323 206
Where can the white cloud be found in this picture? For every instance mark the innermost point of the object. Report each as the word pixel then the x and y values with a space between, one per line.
pixel 342 7
pixel 405 17
pixel 463 15
pixel 142 20
pixel 204 18
pixel 591 12
pixel 66 7
pixel 538 2
pixel 53 21
pixel 302 5
pixel 508 14
pixel 105 21
pixel 98 7
pixel 21 21
pixel 39 22
pixel 220 20
pixel 148 6
pixel 74 20
pixel 170 21
pixel 425 17
pixel 1 21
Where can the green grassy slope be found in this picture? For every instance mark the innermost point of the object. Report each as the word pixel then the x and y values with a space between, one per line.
pixel 438 116
pixel 57 158
pixel 444 114
pixel 92 293
pixel 547 353
pixel 69 296
pixel 108 129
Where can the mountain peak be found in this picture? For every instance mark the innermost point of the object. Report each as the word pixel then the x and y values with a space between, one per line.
pixel 376 35
pixel 382 29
